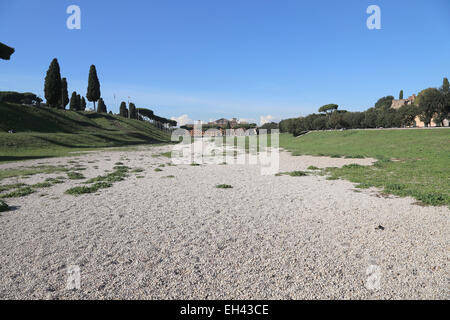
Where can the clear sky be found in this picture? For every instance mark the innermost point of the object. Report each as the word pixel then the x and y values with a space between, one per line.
pixel 208 59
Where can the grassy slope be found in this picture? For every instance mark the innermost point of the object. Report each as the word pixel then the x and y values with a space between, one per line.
pixel 421 166
pixel 43 132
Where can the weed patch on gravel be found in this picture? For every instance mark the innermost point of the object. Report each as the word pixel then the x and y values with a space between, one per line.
pixel 30 171
pixel 88 189
pixel 224 186
pixel 18 193
pixel 75 175
pixel 3 206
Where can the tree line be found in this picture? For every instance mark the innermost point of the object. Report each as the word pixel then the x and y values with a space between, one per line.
pixel 432 104
pixel 57 96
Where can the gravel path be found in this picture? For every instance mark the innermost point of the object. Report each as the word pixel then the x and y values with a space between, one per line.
pixel 181 238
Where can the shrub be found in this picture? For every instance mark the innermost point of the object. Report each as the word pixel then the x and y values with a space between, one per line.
pixel 3 206
pixel 224 186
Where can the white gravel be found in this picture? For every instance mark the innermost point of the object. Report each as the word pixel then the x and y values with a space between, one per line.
pixel 181 238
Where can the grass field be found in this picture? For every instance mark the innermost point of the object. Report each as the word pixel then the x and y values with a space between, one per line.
pixel 410 162
pixel 43 132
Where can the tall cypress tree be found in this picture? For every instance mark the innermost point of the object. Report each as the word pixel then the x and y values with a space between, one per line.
pixel 101 108
pixel 123 110
pixel 74 102
pixel 78 102
pixel 83 104
pixel 64 94
pixel 133 112
pixel 93 90
pixel 401 95
pixel 53 85
pixel 445 86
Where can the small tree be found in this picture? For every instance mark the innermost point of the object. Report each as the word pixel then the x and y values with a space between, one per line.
pixel 133 112
pixel 328 108
pixel 93 90
pixel 431 103
pixel 123 110
pixel 64 94
pixel 101 106
pixel 78 102
pixel 74 102
pixel 384 103
pixel 401 95
pixel 83 104
pixel 445 86
pixel 53 85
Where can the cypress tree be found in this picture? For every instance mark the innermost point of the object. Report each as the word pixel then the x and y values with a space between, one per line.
pixel 123 110
pixel 133 112
pixel 401 95
pixel 83 104
pixel 445 86
pixel 74 102
pixel 78 102
pixel 64 94
pixel 53 85
pixel 93 90
pixel 101 108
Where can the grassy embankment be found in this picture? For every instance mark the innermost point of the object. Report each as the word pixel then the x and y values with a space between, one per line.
pixel 410 162
pixel 44 132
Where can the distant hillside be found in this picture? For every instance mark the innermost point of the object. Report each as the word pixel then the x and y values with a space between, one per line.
pixel 43 132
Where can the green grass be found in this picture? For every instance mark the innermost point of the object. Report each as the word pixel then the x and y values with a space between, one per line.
pixel 11 186
pixel 224 186
pixel 410 162
pixel 41 185
pixel 57 180
pixel 3 206
pixel 75 175
pixel 293 174
pixel 167 155
pixel 18 193
pixel 88 189
pixel 119 174
pixel 29 171
pixel 313 168
pixel 45 132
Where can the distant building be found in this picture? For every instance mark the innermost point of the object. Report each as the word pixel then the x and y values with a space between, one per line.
pixel 397 104
pixel 223 122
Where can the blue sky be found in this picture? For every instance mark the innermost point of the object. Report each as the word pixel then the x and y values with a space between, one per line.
pixel 208 59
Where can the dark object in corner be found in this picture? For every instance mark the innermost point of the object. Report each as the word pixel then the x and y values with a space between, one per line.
pixel 5 51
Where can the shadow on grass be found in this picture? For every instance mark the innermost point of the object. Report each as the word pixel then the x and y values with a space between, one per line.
pixel 21 158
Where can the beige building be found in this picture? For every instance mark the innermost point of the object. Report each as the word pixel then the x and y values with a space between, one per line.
pixel 397 104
